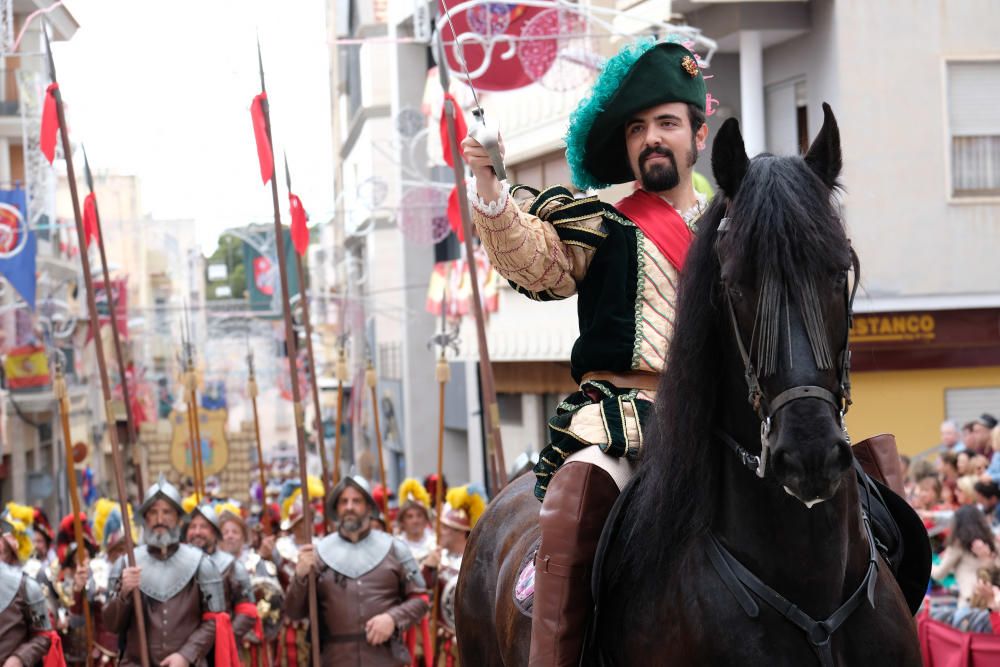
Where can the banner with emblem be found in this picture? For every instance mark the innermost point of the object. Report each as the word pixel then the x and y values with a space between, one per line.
pixel 26 367
pixel 214 446
pixel 18 245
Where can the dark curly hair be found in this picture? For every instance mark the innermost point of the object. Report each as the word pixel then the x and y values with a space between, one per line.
pixel 968 525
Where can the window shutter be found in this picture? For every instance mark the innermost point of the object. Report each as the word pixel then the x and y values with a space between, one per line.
pixel 974 98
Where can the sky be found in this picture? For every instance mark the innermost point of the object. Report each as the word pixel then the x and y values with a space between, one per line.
pixel 162 89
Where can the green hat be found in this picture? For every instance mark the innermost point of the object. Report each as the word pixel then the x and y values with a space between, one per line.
pixel 642 75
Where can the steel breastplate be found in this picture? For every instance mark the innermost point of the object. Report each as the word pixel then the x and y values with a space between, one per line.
pixel 163 579
pixel 223 560
pixel 354 559
pixel 10 582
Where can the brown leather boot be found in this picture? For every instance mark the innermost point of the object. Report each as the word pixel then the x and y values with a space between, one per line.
pixel 879 458
pixel 577 503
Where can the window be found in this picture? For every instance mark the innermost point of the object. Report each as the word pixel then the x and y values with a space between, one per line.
pixel 974 128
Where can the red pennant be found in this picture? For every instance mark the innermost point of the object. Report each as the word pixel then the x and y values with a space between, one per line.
pixel 260 135
pixel 90 230
pixel 300 232
pixel 461 129
pixel 50 123
pixel 455 215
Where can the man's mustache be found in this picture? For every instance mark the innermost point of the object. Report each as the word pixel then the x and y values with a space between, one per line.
pixel 656 150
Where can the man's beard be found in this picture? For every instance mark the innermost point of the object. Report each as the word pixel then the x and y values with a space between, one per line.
pixel 162 540
pixel 351 523
pixel 662 177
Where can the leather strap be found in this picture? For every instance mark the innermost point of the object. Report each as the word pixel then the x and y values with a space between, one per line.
pixel 631 380
pixel 803 391
pixel 346 639
pixel 738 579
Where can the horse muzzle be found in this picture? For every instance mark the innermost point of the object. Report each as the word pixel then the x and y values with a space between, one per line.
pixel 811 469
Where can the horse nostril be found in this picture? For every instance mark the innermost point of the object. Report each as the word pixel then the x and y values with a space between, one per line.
pixel 788 464
pixel 838 457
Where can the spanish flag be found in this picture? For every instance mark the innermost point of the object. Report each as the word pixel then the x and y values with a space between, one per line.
pixel 26 367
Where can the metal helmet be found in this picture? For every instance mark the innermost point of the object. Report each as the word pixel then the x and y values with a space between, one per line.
pixel 207 512
pixel 355 481
pixel 162 489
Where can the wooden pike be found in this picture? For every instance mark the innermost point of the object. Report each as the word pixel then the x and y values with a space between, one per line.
pixel 133 432
pixel 318 423
pixel 190 381
pixel 62 396
pixel 442 374
pixel 371 379
pixel 290 343
pixel 261 478
pixel 341 380
pixel 102 366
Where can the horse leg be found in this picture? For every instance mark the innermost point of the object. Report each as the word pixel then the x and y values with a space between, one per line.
pixel 577 503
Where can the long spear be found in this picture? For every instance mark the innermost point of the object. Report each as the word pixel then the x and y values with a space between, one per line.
pixel 133 438
pixel 190 382
pixel 88 282
pixel 341 379
pixel 491 411
pixel 320 441
pixel 290 343
pixel 59 387
pixel 442 374
pixel 252 392
pixel 371 379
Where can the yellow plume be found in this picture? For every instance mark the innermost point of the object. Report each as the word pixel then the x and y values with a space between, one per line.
pixel 316 488
pixel 228 508
pixel 412 489
pixel 25 546
pixel 102 510
pixel 460 498
pixel 191 502
pixel 23 513
pixel 286 506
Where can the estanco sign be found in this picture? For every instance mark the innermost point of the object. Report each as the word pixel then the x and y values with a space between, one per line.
pixel 894 328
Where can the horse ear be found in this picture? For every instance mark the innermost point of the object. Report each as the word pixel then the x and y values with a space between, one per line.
pixel 824 156
pixel 729 158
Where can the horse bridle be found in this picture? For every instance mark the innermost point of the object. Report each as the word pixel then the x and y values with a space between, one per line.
pixel 765 408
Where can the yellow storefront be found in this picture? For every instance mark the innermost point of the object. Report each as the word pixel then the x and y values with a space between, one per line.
pixel 905 364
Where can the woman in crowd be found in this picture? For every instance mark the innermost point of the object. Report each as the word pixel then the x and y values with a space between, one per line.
pixel 971 546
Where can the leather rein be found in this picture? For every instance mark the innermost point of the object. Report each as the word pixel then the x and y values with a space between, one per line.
pixel 737 577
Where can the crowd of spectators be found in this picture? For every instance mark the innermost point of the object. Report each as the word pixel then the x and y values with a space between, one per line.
pixel 955 488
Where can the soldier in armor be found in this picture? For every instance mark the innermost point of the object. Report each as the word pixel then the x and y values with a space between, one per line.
pixel 109 532
pixel 70 581
pixel 182 592
pixel 368 587
pixel 204 532
pixel 26 637
pixel 414 522
pixel 464 506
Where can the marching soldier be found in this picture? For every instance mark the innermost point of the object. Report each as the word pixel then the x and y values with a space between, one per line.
pixel 182 591
pixel 70 580
pixel 367 584
pixel 204 532
pixel 26 637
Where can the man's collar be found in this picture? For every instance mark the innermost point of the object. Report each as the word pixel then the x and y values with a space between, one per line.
pixel 362 535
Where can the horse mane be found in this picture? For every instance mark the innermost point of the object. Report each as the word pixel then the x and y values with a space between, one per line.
pixel 783 219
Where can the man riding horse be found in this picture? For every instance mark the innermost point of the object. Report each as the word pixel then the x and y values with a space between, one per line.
pixel 644 121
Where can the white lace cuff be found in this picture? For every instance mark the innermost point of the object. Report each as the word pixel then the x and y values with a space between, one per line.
pixel 489 209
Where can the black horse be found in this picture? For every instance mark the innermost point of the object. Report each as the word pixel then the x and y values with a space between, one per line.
pixel 709 563
pixel 702 553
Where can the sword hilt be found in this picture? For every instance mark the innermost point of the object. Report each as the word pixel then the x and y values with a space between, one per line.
pixel 488 137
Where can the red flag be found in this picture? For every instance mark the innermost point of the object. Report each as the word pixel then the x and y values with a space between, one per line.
pixel 260 134
pixel 90 218
pixel 455 215
pixel 300 233
pixel 50 123
pixel 461 129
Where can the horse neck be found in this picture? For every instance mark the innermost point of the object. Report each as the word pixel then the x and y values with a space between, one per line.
pixel 814 557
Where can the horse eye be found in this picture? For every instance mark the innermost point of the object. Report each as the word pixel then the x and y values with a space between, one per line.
pixel 840 279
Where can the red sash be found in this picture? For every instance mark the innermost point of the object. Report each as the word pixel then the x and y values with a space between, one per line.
pixel 225 642
pixel 54 658
pixel 250 609
pixel 661 224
